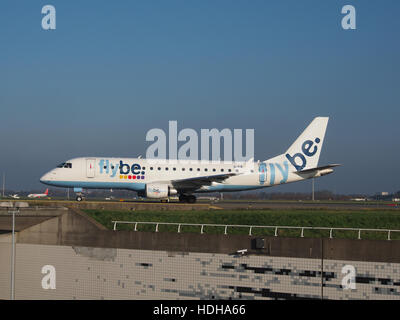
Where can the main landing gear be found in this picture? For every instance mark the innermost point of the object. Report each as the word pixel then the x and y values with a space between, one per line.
pixel 188 198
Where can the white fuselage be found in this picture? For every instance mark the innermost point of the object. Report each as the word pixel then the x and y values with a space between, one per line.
pixel 37 195
pixel 159 178
pixel 113 173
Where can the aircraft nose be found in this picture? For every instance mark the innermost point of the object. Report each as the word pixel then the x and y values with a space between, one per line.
pixel 45 177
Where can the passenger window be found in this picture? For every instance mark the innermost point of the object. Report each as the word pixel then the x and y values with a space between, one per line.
pixel 166 168
pixel 222 170
pixel 205 169
pixel 159 168
pixel 198 169
pixel 151 168
pixel 191 169
pixel 174 169
pixel 229 170
pixel 183 169
pixel 214 170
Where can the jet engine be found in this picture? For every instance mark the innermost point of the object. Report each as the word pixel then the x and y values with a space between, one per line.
pixel 158 191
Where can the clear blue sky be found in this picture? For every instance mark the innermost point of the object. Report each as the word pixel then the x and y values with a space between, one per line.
pixel 112 70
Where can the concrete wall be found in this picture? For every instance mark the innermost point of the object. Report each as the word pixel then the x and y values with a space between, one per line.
pixel 106 273
pixel 122 205
pixel 28 217
pixel 94 263
pixel 74 228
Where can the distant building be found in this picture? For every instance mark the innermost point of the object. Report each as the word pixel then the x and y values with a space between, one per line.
pixel 384 196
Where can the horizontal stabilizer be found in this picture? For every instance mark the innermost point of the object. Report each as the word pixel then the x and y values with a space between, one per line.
pixel 329 166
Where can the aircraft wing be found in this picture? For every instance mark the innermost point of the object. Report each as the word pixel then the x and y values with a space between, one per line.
pixel 198 182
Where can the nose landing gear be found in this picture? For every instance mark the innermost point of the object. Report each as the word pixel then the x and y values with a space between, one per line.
pixel 79 194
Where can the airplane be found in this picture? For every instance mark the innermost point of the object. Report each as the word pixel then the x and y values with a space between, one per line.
pixel 39 195
pixel 14 196
pixel 161 178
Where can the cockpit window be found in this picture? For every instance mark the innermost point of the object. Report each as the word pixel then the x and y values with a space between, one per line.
pixel 65 165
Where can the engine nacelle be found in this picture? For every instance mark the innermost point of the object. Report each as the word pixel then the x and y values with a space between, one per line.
pixel 157 191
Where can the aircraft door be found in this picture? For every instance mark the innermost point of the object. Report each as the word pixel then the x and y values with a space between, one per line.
pixel 90 168
pixel 262 172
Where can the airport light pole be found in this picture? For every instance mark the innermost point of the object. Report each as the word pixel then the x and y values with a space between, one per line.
pixel 13 208
pixel 4 182
pixel 312 189
pixel 14 211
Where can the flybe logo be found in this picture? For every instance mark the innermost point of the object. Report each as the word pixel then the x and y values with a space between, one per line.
pixel 124 170
pixel 273 171
pixel 299 160
pixel 155 190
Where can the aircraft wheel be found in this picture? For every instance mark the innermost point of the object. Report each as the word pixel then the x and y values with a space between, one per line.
pixel 187 198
